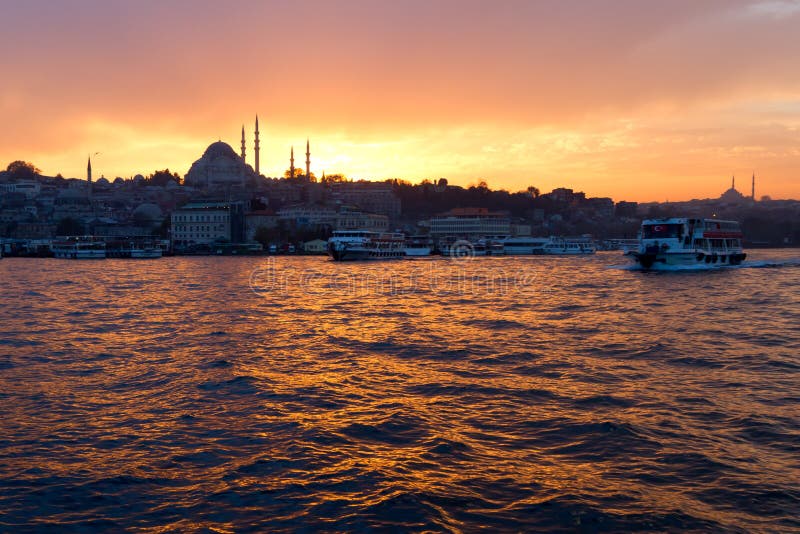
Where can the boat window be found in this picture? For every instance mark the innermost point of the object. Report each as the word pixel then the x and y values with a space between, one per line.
pixel 661 231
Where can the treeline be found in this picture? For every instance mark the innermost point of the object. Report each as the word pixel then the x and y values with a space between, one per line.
pixel 428 198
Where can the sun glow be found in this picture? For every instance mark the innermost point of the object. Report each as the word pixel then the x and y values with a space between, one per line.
pixel 639 104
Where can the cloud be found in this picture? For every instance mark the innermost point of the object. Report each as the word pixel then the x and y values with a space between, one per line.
pixel 590 94
pixel 775 8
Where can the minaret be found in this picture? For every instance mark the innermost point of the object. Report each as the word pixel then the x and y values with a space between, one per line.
pixel 258 172
pixel 291 164
pixel 243 145
pixel 753 188
pixel 89 177
pixel 308 161
pixel 733 181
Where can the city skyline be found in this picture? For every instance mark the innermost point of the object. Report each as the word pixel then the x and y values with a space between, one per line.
pixel 620 99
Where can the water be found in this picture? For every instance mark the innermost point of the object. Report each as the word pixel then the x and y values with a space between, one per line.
pixel 509 394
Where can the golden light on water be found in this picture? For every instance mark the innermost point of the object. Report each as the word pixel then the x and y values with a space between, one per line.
pixel 274 392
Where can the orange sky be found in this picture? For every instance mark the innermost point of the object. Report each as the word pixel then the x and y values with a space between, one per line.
pixel 629 99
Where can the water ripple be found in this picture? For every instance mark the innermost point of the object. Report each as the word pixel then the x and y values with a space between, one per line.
pixel 429 396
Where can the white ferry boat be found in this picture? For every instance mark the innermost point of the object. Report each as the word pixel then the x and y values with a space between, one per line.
pixel 347 245
pixel 683 242
pixel 463 248
pixel 522 246
pixel 561 246
pixel 79 248
pixel 135 248
pixel 419 246
pixel 146 252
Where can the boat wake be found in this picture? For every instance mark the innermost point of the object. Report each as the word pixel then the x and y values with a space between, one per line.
pixel 759 264
pixel 769 264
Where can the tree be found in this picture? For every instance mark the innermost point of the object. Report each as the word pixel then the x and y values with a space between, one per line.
pixel 299 173
pixel 22 170
pixel 534 191
pixel 334 178
pixel 162 178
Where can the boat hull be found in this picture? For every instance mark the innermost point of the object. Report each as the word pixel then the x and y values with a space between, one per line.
pixel 568 252
pixel 141 254
pixel 523 251
pixel 80 254
pixel 417 251
pixel 661 261
pixel 357 254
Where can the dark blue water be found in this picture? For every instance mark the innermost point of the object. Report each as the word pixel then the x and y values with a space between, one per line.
pixel 503 394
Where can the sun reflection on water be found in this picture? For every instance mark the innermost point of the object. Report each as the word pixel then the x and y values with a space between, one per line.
pixel 497 393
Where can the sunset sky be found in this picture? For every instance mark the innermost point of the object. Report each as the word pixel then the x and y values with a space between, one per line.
pixel 637 100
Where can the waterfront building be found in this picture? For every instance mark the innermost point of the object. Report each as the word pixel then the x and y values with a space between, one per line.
pixel 302 216
pixel 353 219
pixel 199 223
pixel 259 219
pixel 471 223
pixel 373 197
pixel 316 246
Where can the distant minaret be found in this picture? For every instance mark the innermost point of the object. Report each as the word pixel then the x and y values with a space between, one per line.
pixel 753 188
pixel 258 173
pixel 291 164
pixel 243 145
pixel 308 161
pixel 733 181
pixel 89 177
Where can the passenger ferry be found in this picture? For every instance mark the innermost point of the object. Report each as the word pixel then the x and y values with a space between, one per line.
pixel 419 246
pixel 684 242
pixel 79 248
pixel 560 246
pixel 464 248
pixel 523 246
pixel 146 252
pixel 135 248
pixel 345 245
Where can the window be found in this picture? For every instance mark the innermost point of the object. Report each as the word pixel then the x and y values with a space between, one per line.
pixel 661 231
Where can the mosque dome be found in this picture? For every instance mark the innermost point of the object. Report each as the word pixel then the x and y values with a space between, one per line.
pixel 732 196
pixel 148 212
pixel 219 150
pixel 219 166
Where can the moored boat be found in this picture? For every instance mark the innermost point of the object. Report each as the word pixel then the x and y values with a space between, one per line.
pixel 79 248
pixel 418 246
pixel 134 248
pixel 146 252
pixel 561 246
pixel 678 242
pixel 523 246
pixel 349 245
